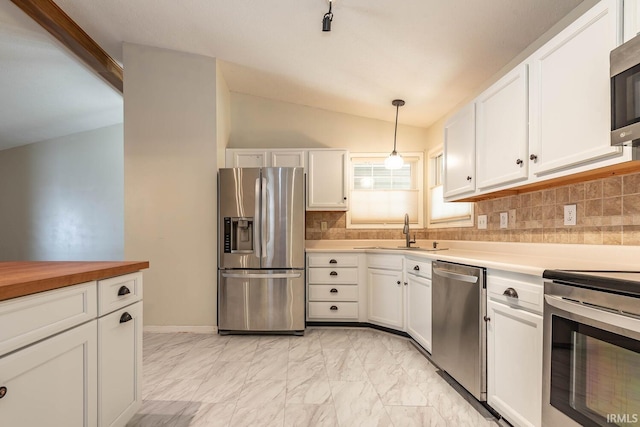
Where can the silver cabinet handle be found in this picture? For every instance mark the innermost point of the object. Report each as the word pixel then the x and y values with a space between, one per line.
pixel 455 276
pixel 262 276
pixel 510 292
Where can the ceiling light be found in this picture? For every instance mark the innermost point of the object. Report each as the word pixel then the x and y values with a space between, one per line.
pixel 394 161
pixel 328 17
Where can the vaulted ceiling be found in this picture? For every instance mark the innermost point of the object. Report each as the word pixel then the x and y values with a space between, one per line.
pixel 432 53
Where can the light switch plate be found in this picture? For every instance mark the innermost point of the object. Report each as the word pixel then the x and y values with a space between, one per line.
pixel 570 214
pixel 323 226
pixel 482 222
pixel 504 219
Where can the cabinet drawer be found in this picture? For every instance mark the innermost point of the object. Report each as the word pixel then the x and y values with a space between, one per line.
pixel 118 292
pixel 420 268
pixel 333 293
pixel 386 262
pixel 333 260
pixel 528 288
pixel 333 310
pixel 30 318
pixel 119 365
pixel 333 275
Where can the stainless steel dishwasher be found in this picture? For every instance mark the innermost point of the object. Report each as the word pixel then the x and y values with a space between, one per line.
pixel 459 341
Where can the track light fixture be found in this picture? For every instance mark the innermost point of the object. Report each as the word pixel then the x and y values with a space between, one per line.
pixel 326 20
pixel 395 161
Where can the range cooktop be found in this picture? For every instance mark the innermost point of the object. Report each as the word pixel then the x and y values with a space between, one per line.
pixel 614 281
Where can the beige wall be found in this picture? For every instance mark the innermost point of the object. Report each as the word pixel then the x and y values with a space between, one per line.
pixel 261 122
pixel 62 199
pixel 223 115
pixel 170 181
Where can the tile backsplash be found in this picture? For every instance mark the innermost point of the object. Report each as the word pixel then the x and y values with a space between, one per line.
pixel 607 213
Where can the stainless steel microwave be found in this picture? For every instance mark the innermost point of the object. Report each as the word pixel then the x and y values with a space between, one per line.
pixel 625 93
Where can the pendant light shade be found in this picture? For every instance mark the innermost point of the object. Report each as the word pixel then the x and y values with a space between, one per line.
pixel 395 161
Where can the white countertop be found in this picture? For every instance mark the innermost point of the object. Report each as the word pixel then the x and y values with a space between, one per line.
pixel 527 258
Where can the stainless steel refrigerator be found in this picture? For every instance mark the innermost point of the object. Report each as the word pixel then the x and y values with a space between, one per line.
pixel 261 250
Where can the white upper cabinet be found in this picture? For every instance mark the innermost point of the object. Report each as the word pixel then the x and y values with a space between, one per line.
pixel 288 159
pixel 502 131
pixel 246 158
pixel 327 180
pixel 631 19
pixel 570 102
pixel 459 153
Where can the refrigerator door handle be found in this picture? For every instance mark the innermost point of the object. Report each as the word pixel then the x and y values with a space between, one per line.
pixel 262 275
pixel 263 225
pixel 256 229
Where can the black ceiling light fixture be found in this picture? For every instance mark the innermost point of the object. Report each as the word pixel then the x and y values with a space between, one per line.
pixel 395 161
pixel 328 17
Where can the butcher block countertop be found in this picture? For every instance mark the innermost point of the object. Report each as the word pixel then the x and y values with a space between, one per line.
pixel 20 278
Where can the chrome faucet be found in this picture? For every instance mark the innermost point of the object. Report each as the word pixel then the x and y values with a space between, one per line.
pixel 405 230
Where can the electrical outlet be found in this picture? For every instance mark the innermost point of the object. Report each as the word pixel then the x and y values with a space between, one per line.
pixel 323 226
pixel 482 222
pixel 504 219
pixel 512 217
pixel 570 214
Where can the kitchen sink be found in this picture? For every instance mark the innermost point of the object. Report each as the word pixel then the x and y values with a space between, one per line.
pixel 401 248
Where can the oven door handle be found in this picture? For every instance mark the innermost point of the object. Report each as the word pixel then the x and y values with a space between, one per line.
pixel 601 316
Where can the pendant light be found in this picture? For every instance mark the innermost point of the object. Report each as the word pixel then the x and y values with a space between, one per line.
pixel 394 161
pixel 327 19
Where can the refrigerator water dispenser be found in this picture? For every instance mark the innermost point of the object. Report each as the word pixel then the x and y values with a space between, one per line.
pixel 238 235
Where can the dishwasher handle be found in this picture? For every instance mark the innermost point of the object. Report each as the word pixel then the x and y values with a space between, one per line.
pixel 455 276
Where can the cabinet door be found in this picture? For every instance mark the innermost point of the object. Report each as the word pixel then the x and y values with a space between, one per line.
pixel 287 159
pixel 119 365
pixel 386 298
pixel 631 19
pixel 502 131
pixel 53 382
pixel 327 180
pixel 460 153
pixel 246 159
pixel 570 100
pixel 514 364
pixel 419 310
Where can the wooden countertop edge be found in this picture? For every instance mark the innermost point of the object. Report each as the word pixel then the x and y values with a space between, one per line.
pixel 56 280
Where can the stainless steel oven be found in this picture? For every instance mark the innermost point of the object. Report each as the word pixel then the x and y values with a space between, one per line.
pixel 591 361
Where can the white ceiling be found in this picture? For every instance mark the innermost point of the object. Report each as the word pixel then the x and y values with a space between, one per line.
pixel 45 92
pixel 431 53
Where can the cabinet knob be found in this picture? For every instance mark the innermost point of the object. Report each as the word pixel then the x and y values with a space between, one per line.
pixel 398 282
pixel 3 392
pixel 333 291
pixel 333 273
pixel 405 283
pixel 510 292
pixel 344 198
pixel 519 162
pixel 487 319
pixel 125 317
pixel 533 157
pixel 333 261
pixel 468 178
pixel 333 308
pixel 416 268
pixel 123 291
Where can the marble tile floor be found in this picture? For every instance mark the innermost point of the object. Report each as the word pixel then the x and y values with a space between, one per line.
pixel 328 377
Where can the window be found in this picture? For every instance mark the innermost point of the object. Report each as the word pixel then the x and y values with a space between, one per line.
pixel 443 214
pixel 380 197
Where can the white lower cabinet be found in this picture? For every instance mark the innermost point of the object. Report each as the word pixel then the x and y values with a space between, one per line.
pixel 52 383
pixel 332 287
pixel 514 351
pixel 386 298
pixel 120 365
pixel 418 283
